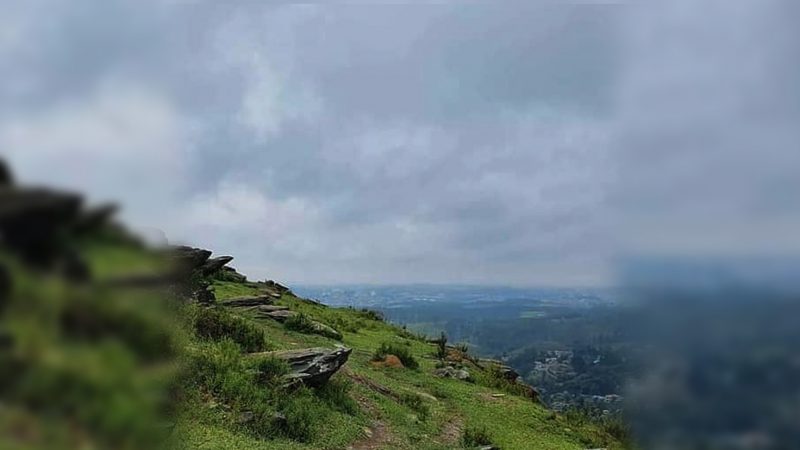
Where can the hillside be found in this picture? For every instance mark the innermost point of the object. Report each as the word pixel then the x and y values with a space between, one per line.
pixel 109 344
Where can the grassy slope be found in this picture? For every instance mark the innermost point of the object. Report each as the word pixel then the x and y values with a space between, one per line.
pixel 512 422
pixel 383 417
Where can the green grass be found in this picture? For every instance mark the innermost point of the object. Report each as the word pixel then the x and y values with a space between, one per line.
pixel 232 400
pixel 224 290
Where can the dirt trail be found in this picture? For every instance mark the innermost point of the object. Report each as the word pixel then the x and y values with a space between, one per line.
pixel 378 434
pixel 451 431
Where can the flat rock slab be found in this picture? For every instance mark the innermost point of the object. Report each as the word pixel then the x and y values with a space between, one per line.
pixel 213 265
pixel 240 302
pixel 272 308
pixel 312 366
pixel 279 315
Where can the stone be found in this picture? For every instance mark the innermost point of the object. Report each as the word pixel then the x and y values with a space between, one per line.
pixel 452 372
pixel 324 330
pixel 213 265
pixel 272 308
pixel 280 315
pixel 189 258
pixel 278 287
pixel 230 274
pixel 311 366
pixel 239 302
pixel 508 373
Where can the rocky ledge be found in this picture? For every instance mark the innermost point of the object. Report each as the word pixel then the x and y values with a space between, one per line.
pixel 311 366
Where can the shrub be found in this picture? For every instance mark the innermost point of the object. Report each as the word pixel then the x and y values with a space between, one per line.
pixel 493 377
pixel 336 394
pixel 301 323
pixel 441 346
pixel 217 324
pixel 302 416
pixel 270 370
pixel 372 315
pixel 402 353
pixel 475 436
pixel 415 402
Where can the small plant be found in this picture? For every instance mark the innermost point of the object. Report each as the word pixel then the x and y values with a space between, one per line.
pixel 217 324
pixel 415 402
pixel 494 377
pixel 441 346
pixel 270 370
pixel 475 436
pixel 402 353
pixel 302 415
pixel 301 323
pixel 372 315
pixel 336 394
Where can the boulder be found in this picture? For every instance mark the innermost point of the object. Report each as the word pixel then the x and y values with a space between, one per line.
pixel 230 274
pixel 508 373
pixel 213 265
pixel 324 330
pixel 189 258
pixel 280 315
pixel 312 366
pixel 241 302
pixel 452 372
pixel 277 287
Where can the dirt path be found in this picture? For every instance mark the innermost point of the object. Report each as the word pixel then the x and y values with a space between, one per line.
pixel 378 437
pixel 378 434
pixel 451 431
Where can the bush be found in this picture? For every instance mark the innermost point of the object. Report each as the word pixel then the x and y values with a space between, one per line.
pixel 441 346
pixel 475 436
pixel 302 416
pixel 217 324
pixel 301 323
pixel 336 394
pixel 415 402
pixel 402 353
pixel 270 370
pixel 493 377
pixel 372 315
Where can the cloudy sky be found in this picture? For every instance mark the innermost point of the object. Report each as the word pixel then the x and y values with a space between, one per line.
pixel 450 142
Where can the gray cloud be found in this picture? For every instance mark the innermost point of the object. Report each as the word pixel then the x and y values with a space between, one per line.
pixel 435 143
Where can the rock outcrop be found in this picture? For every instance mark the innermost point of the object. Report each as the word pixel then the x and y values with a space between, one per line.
pixel 241 302
pixel 189 259
pixel 275 286
pixel 311 366
pixel 214 265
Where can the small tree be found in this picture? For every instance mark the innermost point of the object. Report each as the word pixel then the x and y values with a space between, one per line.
pixel 441 346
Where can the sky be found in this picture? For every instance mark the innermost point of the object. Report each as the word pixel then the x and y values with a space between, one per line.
pixel 448 142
